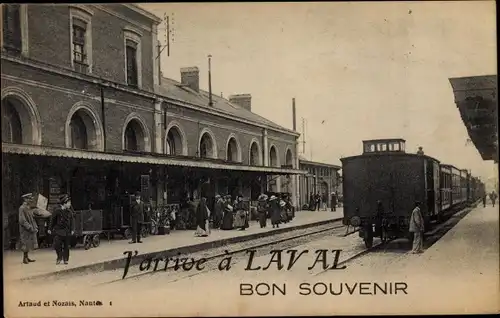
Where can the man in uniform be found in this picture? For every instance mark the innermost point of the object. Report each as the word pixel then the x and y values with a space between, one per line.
pixel 136 217
pixel 62 225
pixel 417 228
pixel 27 228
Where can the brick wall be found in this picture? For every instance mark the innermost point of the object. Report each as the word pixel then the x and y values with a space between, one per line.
pixel 49 40
pixel 222 129
pixel 55 95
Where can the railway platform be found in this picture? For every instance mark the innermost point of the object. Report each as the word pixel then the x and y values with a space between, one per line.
pixel 462 267
pixel 110 252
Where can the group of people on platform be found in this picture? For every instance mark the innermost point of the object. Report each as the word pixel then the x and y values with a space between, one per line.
pixel 61 225
pixel 230 215
pixel 317 200
pixel 493 197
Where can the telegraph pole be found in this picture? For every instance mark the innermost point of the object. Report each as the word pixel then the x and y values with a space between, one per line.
pixel 303 136
pixel 210 102
pixel 168 31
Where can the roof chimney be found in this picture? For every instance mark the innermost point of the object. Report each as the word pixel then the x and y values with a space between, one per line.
pixel 420 151
pixel 190 76
pixel 242 100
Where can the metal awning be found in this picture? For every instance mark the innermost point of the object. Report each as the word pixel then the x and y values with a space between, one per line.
pixel 142 158
pixel 476 99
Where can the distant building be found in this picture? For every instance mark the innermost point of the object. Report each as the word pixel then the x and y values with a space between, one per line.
pixel 321 178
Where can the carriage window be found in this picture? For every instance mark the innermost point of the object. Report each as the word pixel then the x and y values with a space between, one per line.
pixel 391 148
pixel 396 147
pixel 372 148
pixel 384 147
pixel 402 147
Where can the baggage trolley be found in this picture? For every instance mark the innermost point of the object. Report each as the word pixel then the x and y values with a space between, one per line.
pixel 88 228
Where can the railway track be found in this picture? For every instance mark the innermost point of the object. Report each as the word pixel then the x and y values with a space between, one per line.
pixel 430 238
pixel 285 240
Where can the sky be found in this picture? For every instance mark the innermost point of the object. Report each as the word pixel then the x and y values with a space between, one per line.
pixel 357 70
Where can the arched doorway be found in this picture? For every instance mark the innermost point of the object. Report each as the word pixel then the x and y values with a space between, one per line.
pixel 174 144
pixel 207 146
pixel 232 150
pixel 254 154
pixel 324 192
pixel 134 136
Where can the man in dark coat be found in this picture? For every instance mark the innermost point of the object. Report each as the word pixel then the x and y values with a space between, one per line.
pixel 62 225
pixel 312 202
pixel 317 201
pixel 27 228
pixel 136 217
pixel 262 210
pixel 333 202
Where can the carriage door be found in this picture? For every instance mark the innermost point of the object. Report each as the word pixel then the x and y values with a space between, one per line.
pixel 437 190
pixel 429 187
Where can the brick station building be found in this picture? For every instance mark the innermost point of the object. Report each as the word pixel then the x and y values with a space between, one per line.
pixel 86 111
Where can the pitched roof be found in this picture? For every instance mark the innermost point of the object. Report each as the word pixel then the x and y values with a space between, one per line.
pixel 174 89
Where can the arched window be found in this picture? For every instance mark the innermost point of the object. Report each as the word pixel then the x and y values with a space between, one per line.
pixel 11 123
pixel 130 139
pixel 171 149
pixel 273 157
pixel 289 158
pixel 254 154
pixel 134 136
pixel 78 132
pixel 232 150
pixel 207 146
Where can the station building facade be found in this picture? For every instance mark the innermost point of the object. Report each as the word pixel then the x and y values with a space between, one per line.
pixel 86 111
pixel 321 178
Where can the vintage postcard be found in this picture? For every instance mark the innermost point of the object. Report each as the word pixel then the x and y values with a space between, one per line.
pixel 249 159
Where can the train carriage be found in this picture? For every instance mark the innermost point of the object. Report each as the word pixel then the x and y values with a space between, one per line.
pixel 381 187
pixel 385 173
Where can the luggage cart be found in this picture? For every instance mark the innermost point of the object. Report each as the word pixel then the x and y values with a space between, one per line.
pixel 88 228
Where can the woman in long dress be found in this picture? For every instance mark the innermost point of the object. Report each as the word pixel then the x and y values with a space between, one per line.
pixel 202 215
pixel 227 219
pixel 262 210
pixel 275 208
pixel 239 221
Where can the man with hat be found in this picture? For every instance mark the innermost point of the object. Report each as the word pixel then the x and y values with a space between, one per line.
pixel 62 225
pixel 136 217
pixel 417 228
pixel 27 228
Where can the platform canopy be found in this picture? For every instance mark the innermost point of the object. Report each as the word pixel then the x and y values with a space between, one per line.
pixel 143 158
pixel 476 99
